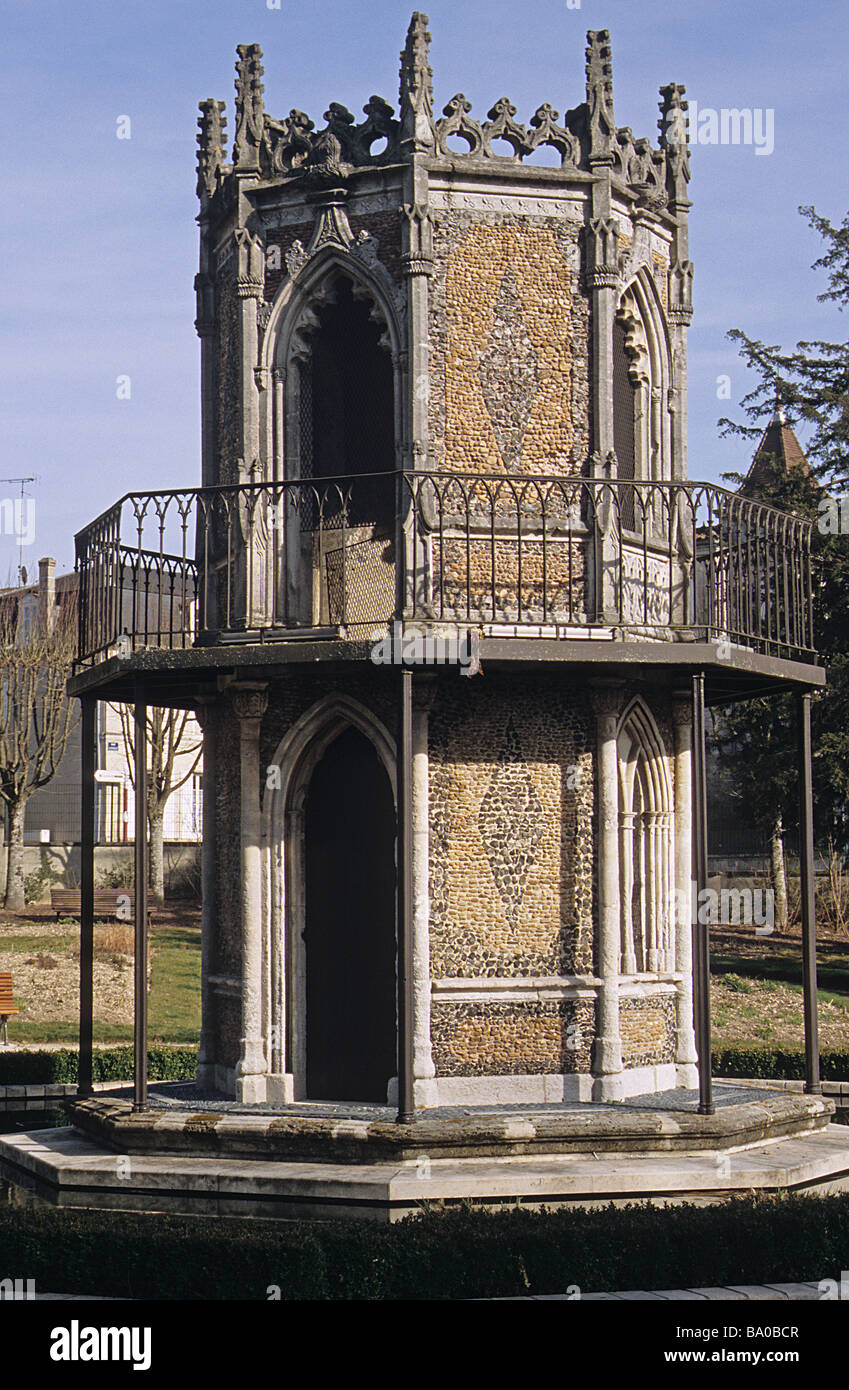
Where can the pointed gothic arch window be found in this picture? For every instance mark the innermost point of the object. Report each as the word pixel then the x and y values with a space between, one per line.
pixel 342 434
pixel 645 846
pixel 346 407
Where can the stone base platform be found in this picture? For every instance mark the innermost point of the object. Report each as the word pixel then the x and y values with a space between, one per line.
pixel 350 1134
pixel 191 1154
pixel 65 1168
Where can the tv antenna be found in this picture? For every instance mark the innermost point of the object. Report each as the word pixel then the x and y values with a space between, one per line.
pixel 22 575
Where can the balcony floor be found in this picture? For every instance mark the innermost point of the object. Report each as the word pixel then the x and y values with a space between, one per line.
pixel 178 677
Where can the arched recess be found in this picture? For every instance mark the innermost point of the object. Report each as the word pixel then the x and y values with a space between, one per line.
pixel 646 844
pixel 333 348
pixel 642 383
pixel 284 829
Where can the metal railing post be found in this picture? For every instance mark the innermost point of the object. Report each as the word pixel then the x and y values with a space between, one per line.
pixel 808 895
pixel 701 929
pixel 140 895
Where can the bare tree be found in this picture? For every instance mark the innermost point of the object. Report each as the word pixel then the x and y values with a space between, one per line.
pixel 37 714
pixel 166 730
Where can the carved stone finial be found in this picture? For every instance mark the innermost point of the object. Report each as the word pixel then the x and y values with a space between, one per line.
pixel 600 121
pixel 674 125
pixel 417 87
pixel 250 113
pixel 212 128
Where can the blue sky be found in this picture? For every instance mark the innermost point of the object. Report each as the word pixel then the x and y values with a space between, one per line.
pixel 99 243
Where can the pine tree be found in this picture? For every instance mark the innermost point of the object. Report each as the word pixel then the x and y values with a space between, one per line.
pixel 811 387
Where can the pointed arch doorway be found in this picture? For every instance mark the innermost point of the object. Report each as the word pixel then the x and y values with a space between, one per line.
pixel 349 924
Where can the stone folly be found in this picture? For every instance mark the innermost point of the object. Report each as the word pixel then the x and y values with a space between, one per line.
pixel 444 388
pixel 497 291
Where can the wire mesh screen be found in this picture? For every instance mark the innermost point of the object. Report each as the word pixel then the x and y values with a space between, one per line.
pixel 360 579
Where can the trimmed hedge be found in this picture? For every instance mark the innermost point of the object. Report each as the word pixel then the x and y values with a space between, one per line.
pixel 461 1254
pixel 776 1063
pixel 180 1064
pixel 108 1064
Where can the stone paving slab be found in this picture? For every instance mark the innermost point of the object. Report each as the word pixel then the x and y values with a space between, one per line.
pixel 746 1293
pixel 680 1296
pixel 12 1096
pixel 726 1295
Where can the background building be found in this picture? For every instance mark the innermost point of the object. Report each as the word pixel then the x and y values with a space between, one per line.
pixel 52 824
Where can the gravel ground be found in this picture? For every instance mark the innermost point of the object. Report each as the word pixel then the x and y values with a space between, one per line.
pixel 185 1095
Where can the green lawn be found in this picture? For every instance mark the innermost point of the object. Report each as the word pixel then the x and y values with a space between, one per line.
pixel 757 990
pixel 174 1000
pixel 175 985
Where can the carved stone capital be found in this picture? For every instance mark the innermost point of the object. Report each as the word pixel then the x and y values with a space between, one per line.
pixel 249 699
pixel 424 692
pixel 682 708
pixel 203 709
pixel 606 700
pixel 417 265
pixel 601 279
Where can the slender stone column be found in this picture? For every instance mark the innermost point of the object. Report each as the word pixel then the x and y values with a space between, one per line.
pixel 250 700
pixel 654 889
pixel 404 885
pixel 629 954
pixel 424 1072
pixel 205 715
pixel 681 906
pixel 607 1062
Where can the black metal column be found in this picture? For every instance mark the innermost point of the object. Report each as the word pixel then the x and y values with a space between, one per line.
pixel 806 875
pixel 88 746
pixel 404 790
pixel 141 875
pixel 701 930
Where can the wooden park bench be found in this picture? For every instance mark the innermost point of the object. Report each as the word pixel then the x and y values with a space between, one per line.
pixel 107 901
pixel 7 1008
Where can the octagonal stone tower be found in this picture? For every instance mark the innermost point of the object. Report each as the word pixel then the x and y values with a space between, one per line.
pixel 428 295
pixel 443 599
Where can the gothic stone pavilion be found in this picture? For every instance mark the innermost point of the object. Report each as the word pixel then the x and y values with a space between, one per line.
pixel 444 405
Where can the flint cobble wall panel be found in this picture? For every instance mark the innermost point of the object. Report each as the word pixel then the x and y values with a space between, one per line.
pixel 511 796
pixel 509 334
pixel 512 1039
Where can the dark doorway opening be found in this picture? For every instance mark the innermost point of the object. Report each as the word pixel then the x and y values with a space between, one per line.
pixel 350 924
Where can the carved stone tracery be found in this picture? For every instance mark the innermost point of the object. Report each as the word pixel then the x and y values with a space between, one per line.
pixel 587 139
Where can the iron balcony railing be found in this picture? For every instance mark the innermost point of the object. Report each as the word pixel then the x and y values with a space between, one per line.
pixel 544 556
